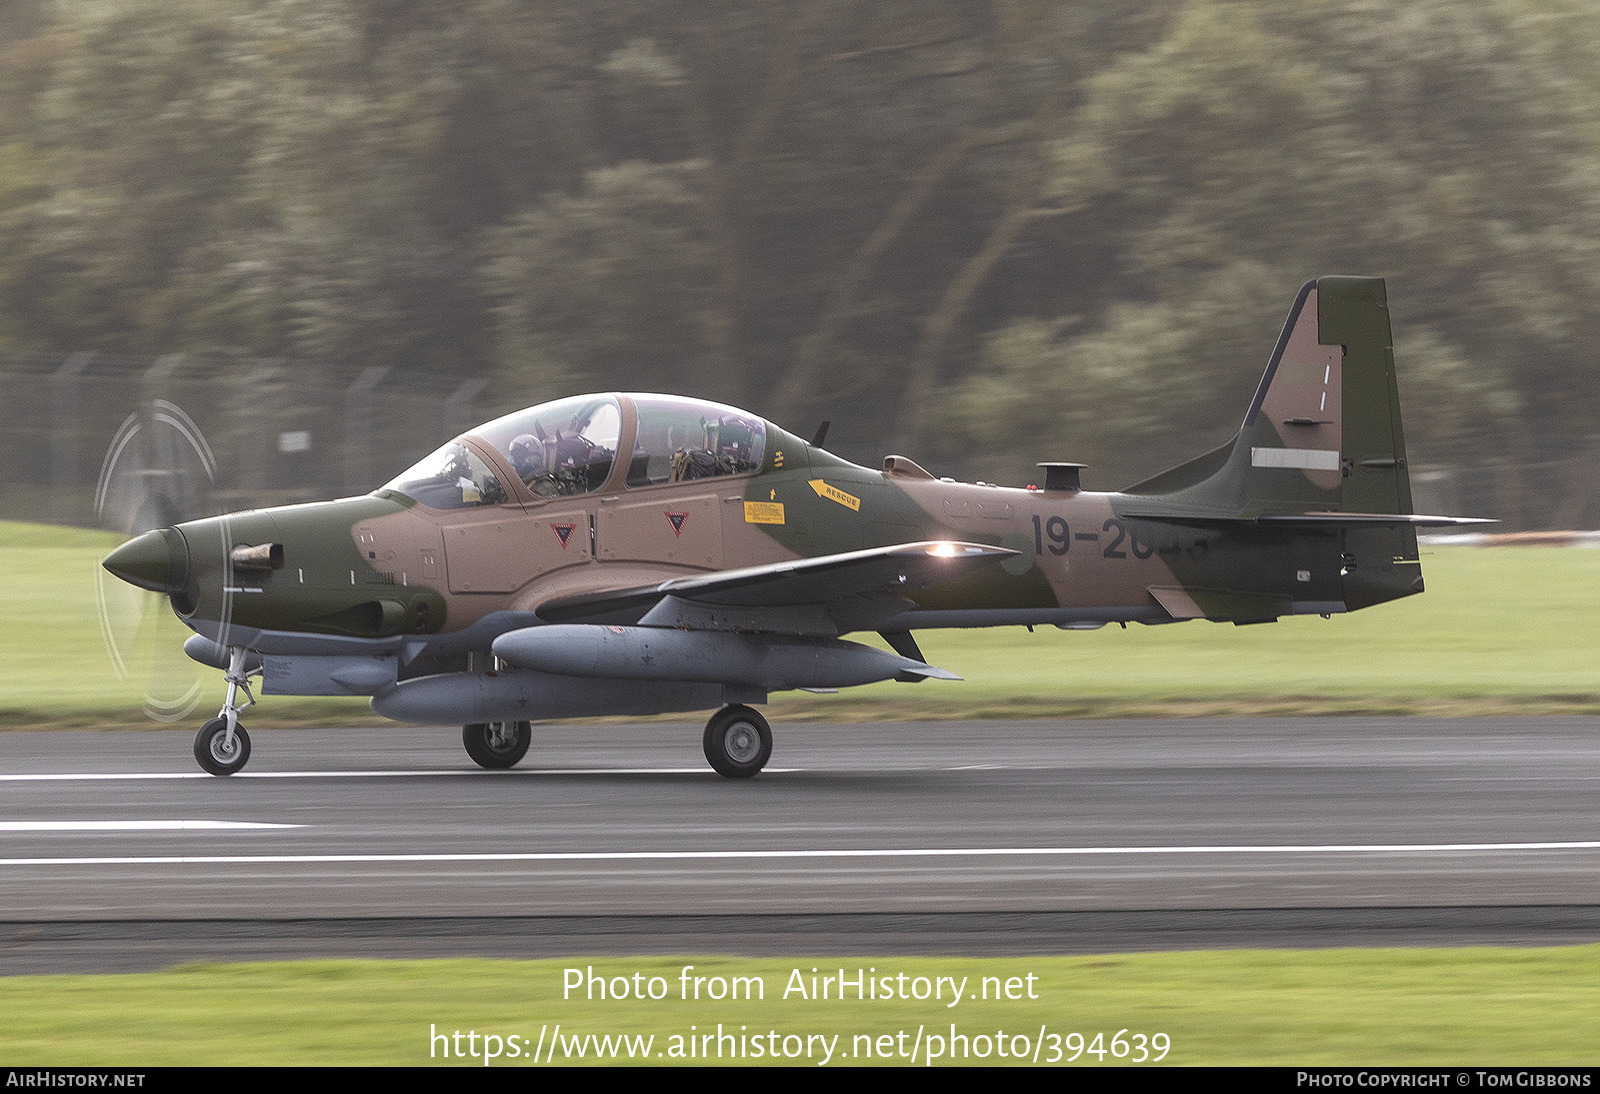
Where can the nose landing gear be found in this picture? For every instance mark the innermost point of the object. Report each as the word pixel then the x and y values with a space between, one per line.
pixel 738 742
pixel 222 746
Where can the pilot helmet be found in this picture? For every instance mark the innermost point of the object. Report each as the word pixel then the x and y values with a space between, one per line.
pixel 527 454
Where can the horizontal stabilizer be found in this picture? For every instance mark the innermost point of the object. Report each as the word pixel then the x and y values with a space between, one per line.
pixel 1415 520
pixel 1184 515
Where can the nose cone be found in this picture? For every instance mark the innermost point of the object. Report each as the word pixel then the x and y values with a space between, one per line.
pixel 158 561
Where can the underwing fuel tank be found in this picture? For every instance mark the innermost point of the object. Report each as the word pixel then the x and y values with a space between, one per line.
pixel 524 696
pixel 772 662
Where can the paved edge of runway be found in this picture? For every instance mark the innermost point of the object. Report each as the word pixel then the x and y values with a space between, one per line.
pixel 78 946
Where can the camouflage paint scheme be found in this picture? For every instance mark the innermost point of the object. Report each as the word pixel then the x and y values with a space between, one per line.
pixel 384 565
pixel 1307 510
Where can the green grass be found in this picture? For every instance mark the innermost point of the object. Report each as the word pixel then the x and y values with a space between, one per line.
pixel 1498 629
pixel 54 668
pixel 1456 1007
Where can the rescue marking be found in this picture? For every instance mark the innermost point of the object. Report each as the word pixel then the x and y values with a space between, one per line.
pixel 831 853
pixel 763 512
pixel 563 533
pixel 833 493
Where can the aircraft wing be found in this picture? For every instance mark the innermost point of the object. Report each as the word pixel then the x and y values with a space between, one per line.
pixel 830 594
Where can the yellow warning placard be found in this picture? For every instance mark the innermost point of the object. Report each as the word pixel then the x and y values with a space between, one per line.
pixel 833 493
pixel 763 512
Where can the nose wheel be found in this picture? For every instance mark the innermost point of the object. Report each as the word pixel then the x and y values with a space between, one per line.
pixel 222 746
pixel 738 742
pixel 219 752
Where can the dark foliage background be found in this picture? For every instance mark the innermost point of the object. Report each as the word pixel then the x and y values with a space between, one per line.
pixel 981 232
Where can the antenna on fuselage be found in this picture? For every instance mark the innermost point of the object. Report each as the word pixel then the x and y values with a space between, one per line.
pixel 822 433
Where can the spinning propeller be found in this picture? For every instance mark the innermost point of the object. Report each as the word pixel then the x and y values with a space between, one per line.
pixel 158 472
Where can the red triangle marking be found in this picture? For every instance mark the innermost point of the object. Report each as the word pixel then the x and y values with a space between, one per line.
pixel 564 533
pixel 677 520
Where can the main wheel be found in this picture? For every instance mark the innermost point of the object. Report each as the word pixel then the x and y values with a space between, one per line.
pixel 212 750
pixel 497 745
pixel 738 742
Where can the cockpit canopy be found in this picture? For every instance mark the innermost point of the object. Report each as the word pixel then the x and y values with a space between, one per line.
pixel 680 439
pixel 568 447
pixel 561 448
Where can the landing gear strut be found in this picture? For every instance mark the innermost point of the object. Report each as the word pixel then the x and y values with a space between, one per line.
pixel 497 745
pixel 738 742
pixel 222 746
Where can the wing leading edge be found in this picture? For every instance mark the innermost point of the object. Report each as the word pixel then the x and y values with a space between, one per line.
pixel 829 595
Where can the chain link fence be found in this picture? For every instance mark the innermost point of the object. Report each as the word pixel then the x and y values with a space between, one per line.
pixel 274 432
pixel 283 431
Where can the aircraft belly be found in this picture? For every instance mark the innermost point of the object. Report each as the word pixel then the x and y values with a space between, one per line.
pixel 328 675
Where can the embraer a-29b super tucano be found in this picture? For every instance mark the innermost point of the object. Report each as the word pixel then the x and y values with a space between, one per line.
pixel 639 554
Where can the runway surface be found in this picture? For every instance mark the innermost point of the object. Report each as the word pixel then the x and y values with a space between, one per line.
pixel 970 836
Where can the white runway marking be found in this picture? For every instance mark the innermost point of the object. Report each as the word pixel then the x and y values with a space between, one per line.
pixel 839 853
pixel 131 825
pixel 474 772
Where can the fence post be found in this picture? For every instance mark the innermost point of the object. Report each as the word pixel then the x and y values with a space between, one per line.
pixel 360 405
pixel 458 416
pixel 66 386
pixel 258 444
pixel 159 443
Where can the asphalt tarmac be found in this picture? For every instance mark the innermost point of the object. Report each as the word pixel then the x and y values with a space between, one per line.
pixel 967 837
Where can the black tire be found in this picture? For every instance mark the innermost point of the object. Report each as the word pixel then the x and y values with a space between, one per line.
pixel 209 750
pixel 738 742
pixel 497 745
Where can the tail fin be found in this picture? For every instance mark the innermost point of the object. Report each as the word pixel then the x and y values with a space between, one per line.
pixel 1323 431
pixel 1322 440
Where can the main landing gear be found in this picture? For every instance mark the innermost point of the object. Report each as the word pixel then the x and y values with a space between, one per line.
pixel 222 746
pixel 738 742
pixel 497 745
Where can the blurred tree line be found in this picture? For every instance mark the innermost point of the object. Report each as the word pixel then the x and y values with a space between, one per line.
pixel 981 232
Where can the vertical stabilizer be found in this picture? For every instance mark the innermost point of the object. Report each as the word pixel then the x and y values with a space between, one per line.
pixel 1322 435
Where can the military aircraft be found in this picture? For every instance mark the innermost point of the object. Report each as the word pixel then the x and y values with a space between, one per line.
pixel 641 554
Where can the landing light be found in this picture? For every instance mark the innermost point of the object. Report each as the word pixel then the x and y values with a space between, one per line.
pixel 943 550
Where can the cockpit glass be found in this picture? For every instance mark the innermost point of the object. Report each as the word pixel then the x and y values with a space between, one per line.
pixel 452 477
pixel 681 439
pixel 561 448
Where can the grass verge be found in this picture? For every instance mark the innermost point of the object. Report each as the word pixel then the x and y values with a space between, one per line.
pixel 1456 1007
